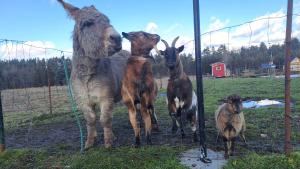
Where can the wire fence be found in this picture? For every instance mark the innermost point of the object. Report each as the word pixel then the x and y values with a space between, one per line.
pixel 37 111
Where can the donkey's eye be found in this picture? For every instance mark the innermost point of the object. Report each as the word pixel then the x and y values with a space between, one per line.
pixel 87 23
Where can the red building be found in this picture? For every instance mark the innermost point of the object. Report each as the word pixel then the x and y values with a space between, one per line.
pixel 218 69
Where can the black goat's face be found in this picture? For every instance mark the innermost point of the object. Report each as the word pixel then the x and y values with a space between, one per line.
pixel 235 103
pixel 171 54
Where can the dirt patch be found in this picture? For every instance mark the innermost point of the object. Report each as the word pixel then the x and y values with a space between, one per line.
pixel 66 136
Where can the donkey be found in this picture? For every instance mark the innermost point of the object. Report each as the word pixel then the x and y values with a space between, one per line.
pixel 139 88
pixel 181 98
pixel 95 77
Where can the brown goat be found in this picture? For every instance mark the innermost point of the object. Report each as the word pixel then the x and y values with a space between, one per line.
pixel 182 100
pixel 230 122
pixel 138 87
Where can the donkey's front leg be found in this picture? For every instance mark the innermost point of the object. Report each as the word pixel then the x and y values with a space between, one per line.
pixel 106 121
pixel 90 117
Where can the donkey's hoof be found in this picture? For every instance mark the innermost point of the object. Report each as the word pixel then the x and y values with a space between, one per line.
pixel 108 143
pixel 89 144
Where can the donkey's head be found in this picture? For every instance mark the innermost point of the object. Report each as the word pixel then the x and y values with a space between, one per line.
pixel 235 103
pixel 93 35
pixel 171 54
pixel 141 42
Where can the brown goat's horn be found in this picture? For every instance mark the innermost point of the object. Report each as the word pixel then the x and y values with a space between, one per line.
pixel 174 41
pixel 166 43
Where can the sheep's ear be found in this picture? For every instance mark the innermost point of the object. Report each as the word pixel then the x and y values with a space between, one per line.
pixel 180 49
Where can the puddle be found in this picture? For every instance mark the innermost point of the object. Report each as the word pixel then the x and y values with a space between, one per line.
pixel 262 103
pixel 162 94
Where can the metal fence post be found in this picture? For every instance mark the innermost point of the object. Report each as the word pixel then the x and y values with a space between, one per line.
pixel 49 90
pixel 203 150
pixel 288 116
pixel 2 136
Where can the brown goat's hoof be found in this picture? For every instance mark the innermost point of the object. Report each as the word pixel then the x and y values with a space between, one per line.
pixel 137 145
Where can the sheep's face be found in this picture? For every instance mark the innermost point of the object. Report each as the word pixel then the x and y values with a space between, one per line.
pixel 141 42
pixel 235 104
pixel 171 54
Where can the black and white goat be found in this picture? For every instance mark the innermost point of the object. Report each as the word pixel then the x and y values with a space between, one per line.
pixel 182 100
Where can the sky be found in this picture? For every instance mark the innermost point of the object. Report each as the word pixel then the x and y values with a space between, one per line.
pixel 44 23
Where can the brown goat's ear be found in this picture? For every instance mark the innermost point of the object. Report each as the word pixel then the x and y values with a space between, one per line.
pixel 71 10
pixel 125 35
pixel 180 49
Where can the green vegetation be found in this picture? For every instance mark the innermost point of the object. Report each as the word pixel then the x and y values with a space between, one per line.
pixel 255 161
pixel 125 157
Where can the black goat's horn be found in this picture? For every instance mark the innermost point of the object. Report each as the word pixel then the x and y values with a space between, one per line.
pixel 174 41
pixel 166 43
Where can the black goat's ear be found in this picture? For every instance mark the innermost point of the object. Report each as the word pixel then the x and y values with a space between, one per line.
pixel 161 52
pixel 180 49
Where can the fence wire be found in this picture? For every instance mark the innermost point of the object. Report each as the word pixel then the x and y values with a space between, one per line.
pixel 29 123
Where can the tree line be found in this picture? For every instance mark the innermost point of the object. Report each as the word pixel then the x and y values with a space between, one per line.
pixel 40 72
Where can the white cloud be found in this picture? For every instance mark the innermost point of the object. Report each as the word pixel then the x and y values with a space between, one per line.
pixel 270 31
pixel 151 27
pixel 30 49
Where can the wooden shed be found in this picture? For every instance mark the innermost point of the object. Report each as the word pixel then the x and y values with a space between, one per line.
pixel 218 69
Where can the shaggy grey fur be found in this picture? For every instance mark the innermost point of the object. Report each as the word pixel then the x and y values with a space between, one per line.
pixel 96 78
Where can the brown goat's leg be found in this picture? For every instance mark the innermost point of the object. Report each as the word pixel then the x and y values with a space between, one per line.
pixel 106 121
pixel 133 120
pixel 90 117
pixel 147 121
pixel 154 121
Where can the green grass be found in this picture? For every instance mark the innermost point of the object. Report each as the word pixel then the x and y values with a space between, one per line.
pixel 125 157
pixel 275 161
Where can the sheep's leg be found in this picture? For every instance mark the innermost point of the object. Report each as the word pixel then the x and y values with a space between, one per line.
pixel 242 135
pixel 147 120
pixel 232 146
pixel 106 121
pixel 90 117
pixel 226 146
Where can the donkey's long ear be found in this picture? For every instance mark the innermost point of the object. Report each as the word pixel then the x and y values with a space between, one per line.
pixel 71 10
